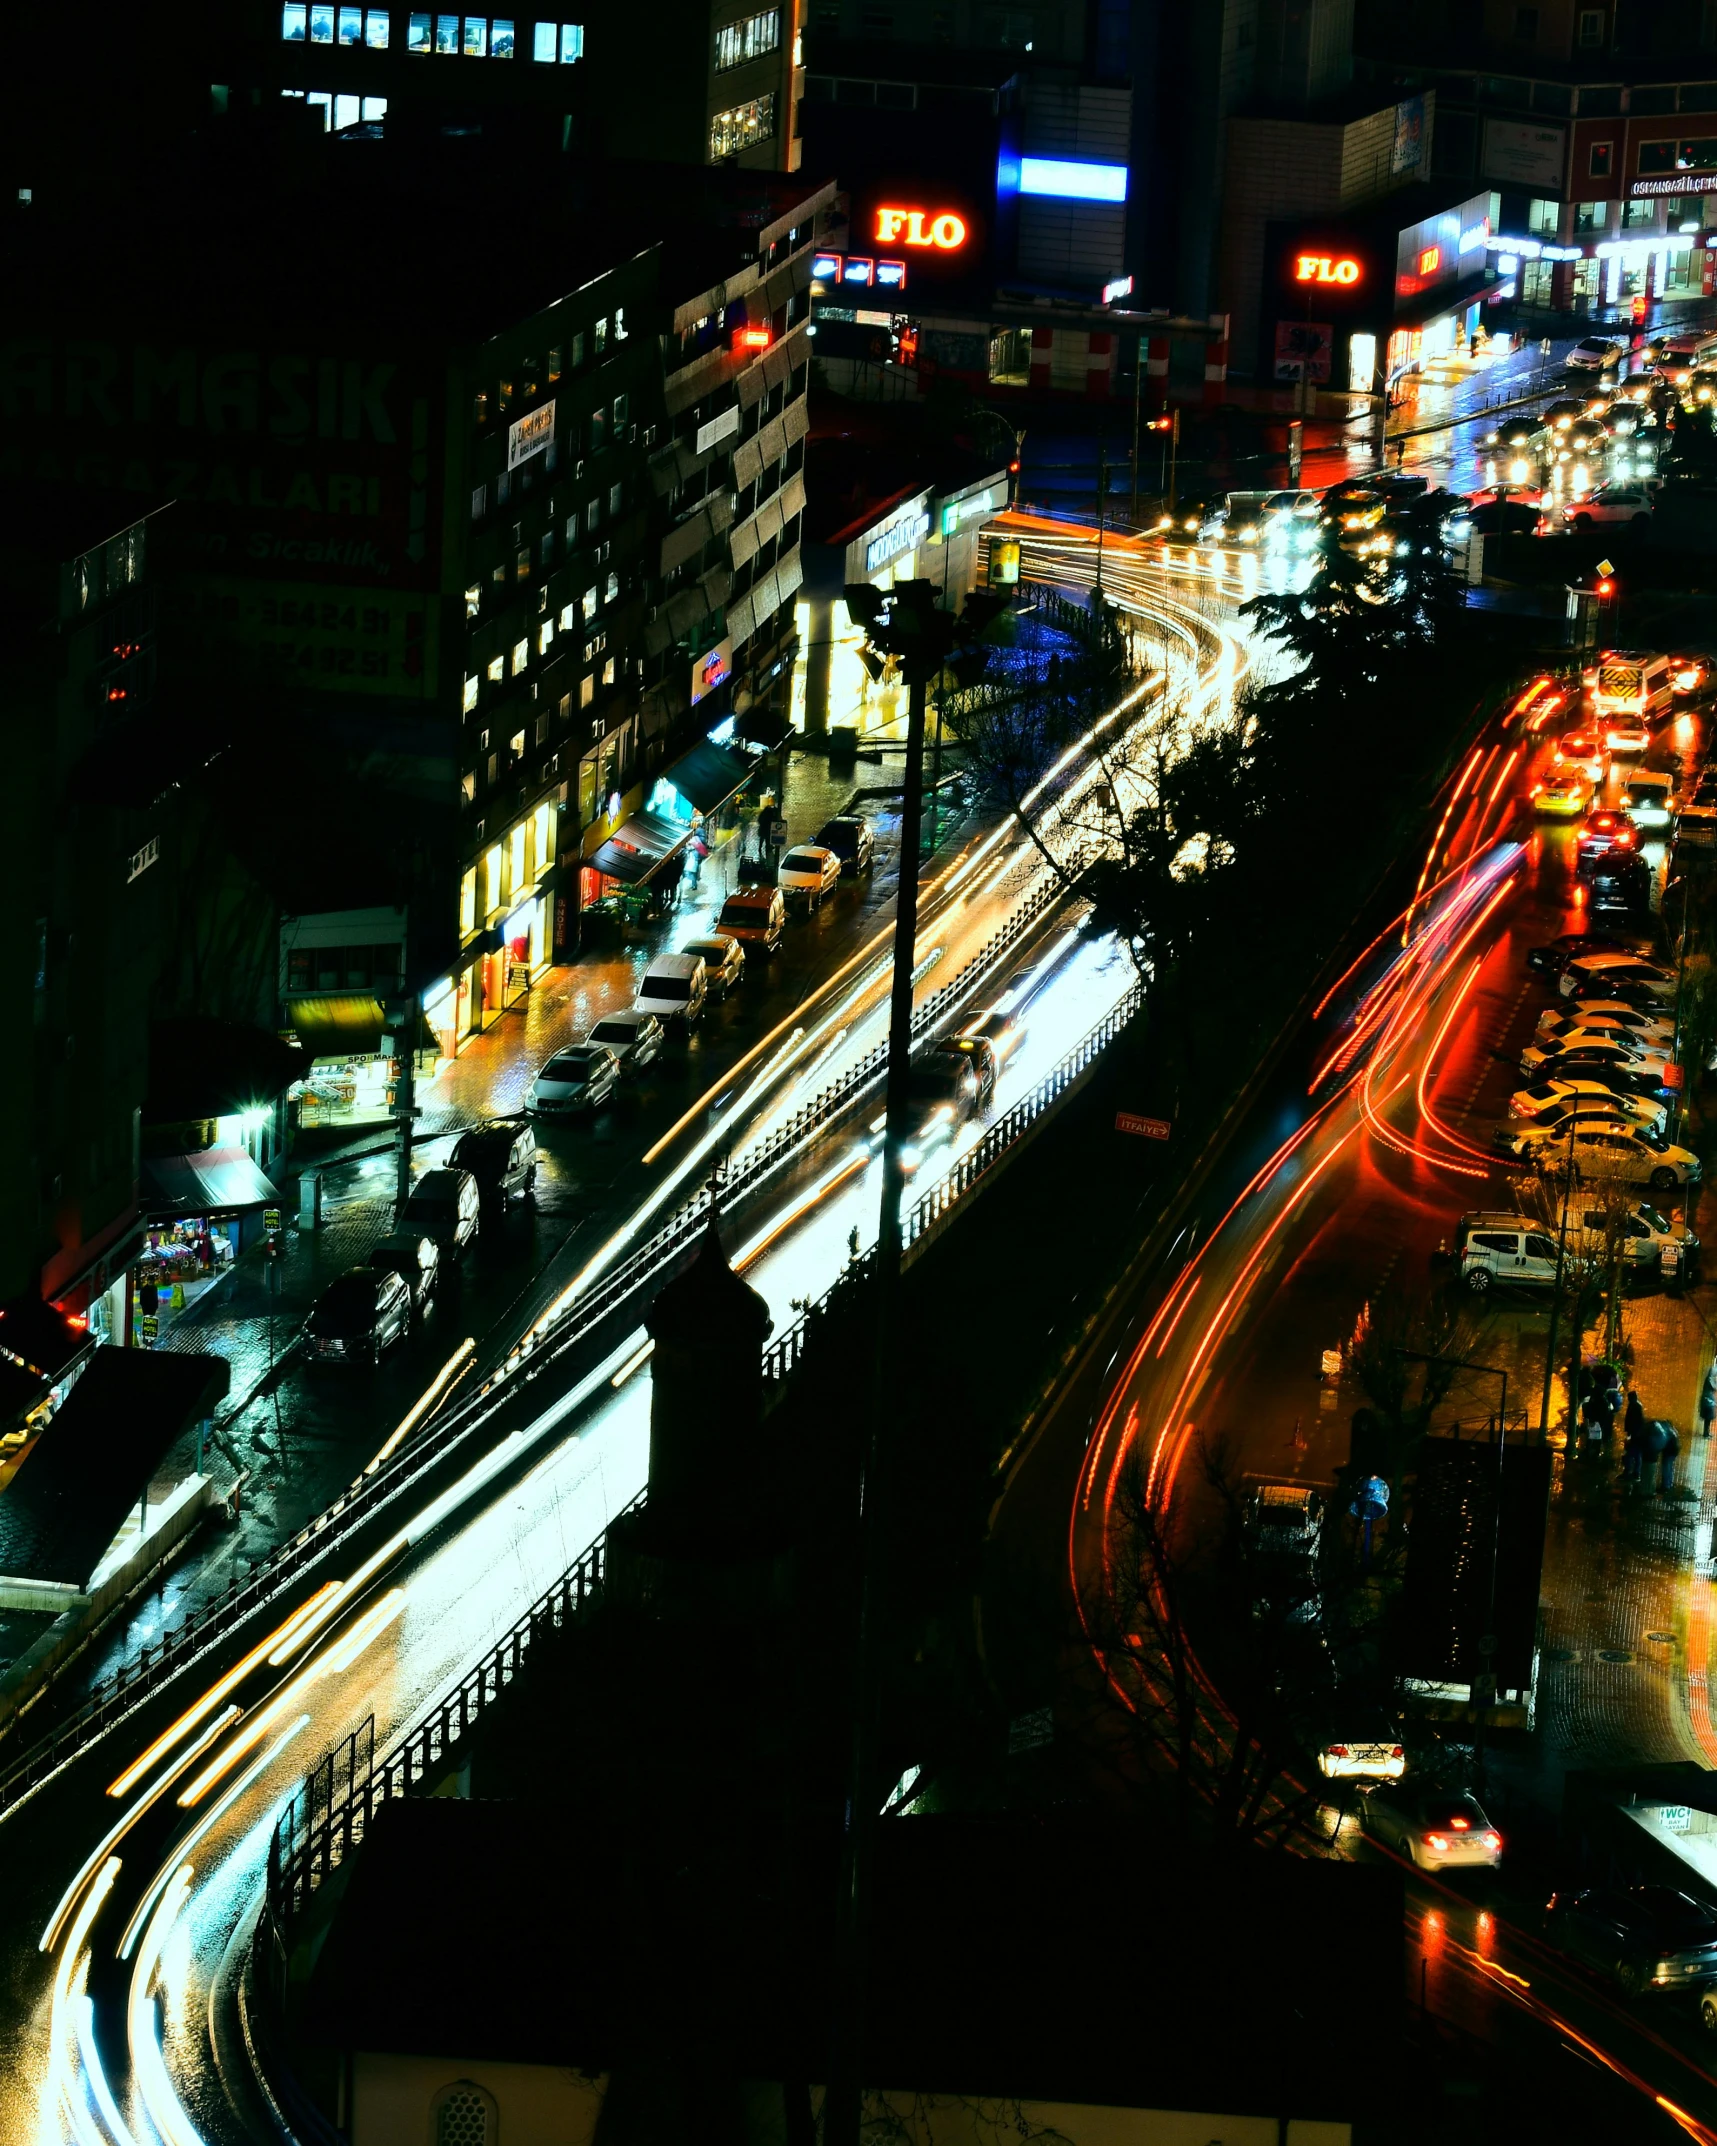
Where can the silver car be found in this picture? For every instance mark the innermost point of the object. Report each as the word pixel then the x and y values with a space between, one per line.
pixel 574 1080
pixel 634 1038
pixel 723 960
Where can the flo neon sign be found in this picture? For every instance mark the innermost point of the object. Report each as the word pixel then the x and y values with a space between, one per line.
pixel 1325 268
pixel 918 227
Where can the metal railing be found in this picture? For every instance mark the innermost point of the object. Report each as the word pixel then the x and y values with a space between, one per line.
pixel 328 1816
pixel 749 1172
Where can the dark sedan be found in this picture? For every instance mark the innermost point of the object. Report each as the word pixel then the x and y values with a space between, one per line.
pixel 358 1317
pixel 1645 1937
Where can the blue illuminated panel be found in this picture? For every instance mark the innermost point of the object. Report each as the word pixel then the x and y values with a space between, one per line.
pixel 1065 179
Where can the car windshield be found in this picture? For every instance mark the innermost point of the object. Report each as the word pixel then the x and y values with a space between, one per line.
pixel 614 1031
pixel 801 860
pixel 572 1065
pixel 1547 1093
pixel 672 987
pixel 1654 1221
pixel 940 1076
pixel 1675 1915
pixel 712 951
pixel 345 1307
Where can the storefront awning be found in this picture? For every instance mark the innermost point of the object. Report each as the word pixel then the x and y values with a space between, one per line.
pixel 91 1465
pixel 638 851
pixel 342 1026
pixel 218 1181
pixel 708 775
pixel 763 728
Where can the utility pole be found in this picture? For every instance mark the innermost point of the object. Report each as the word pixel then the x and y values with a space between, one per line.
pixel 903 623
pixel 1556 1302
pixel 1138 369
pixel 1174 453
pixel 405 1019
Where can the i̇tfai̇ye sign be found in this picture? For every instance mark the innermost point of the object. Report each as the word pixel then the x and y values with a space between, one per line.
pixel 1146 1128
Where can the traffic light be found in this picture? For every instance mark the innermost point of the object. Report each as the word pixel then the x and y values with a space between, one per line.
pixel 904 622
pixel 1606 588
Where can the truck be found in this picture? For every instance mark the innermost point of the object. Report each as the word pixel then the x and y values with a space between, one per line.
pixel 1629 684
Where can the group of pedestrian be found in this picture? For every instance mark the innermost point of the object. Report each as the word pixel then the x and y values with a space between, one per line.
pixel 1645 1439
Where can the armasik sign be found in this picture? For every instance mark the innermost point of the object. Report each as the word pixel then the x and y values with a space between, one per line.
pixel 285 465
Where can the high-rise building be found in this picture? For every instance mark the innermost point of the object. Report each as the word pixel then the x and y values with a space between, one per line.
pixel 471 490
pixel 82 824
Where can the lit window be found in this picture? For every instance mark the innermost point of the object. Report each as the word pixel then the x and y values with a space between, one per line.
pixel 321 25
pixel 468 786
pixel 468 893
pixel 447 33
pixel 521 656
pixel 375 108
pixel 587 605
pixel 497 670
pixel 553 363
pixel 516 746
pixel 593 516
pixel 500 40
pixel 470 694
pixel 615 494
pixel 586 690
pixel 522 564
pixel 601 337
pixel 346 112
pixel 545 636
pixel 293 23
pixel 608 672
pixel 741 126
pixel 620 324
pixel 622 408
pixel 504 398
pixel 571 42
pixel 476 37
pixel 376 29
pixel 737 42
pixel 492 865
pixel 351 26
pixel 568 614
pixel 418 33
pixel 543 41
pixel 611 594
pixel 473 599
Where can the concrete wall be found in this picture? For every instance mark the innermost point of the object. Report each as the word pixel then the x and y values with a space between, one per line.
pixel 393 2099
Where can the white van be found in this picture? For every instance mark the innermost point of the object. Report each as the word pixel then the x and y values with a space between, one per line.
pixel 1494 1248
pixel 1648 797
pixel 674 989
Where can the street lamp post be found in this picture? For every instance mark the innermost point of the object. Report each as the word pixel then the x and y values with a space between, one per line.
pixel 1556 1300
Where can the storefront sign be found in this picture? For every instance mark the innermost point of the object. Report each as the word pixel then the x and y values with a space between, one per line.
pixel 1058 178
pixel 940 228
pixel 301 634
pixel 1525 155
pixel 1127 1121
pixel 712 670
pixel 1121 287
pixel 1430 260
pixel 958 512
pixel 1326 268
pixel 903 534
pixel 530 434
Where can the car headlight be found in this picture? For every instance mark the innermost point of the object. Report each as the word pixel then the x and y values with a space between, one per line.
pixel 1248 536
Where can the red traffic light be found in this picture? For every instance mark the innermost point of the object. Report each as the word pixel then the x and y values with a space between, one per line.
pixel 1606 588
pixel 1013 467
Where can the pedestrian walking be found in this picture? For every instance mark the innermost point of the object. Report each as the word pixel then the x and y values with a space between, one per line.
pixel 1708 1399
pixel 1605 1401
pixel 1633 1438
pixel 1666 1458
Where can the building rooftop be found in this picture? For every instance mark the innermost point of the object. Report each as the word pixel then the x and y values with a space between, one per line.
pixel 447 240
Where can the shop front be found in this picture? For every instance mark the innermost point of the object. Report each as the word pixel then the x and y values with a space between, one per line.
pixel 355 1059
pixel 633 876
pixel 701 791
pixel 838 685
pixel 200 1211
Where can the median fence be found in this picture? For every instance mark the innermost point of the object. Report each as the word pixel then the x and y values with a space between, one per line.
pixel 748 1173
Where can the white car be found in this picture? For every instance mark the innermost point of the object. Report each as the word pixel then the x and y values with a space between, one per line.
pixel 1539 1060
pixel 1592 355
pixel 1622 1153
pixel 1651 1026
pixel 1626 734
pixel 1609 503
pixel 575 1079
pixel 1631 969
pixel 1370 1754
pixel 1435 1828
pixel 810 872
pixel 1584 750
pixel 1585 1026
pixel 1552 1099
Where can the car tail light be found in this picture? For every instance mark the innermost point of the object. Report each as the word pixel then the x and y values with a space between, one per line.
pixel 1338 1751
pixel 1458 1825
pixel 1436 1840
pixel 1490 1840
pixel 1396 1752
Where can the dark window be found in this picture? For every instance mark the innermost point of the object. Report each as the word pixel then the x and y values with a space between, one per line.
pixel 1656 156
pixel 1526 25
pixel 1599 163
